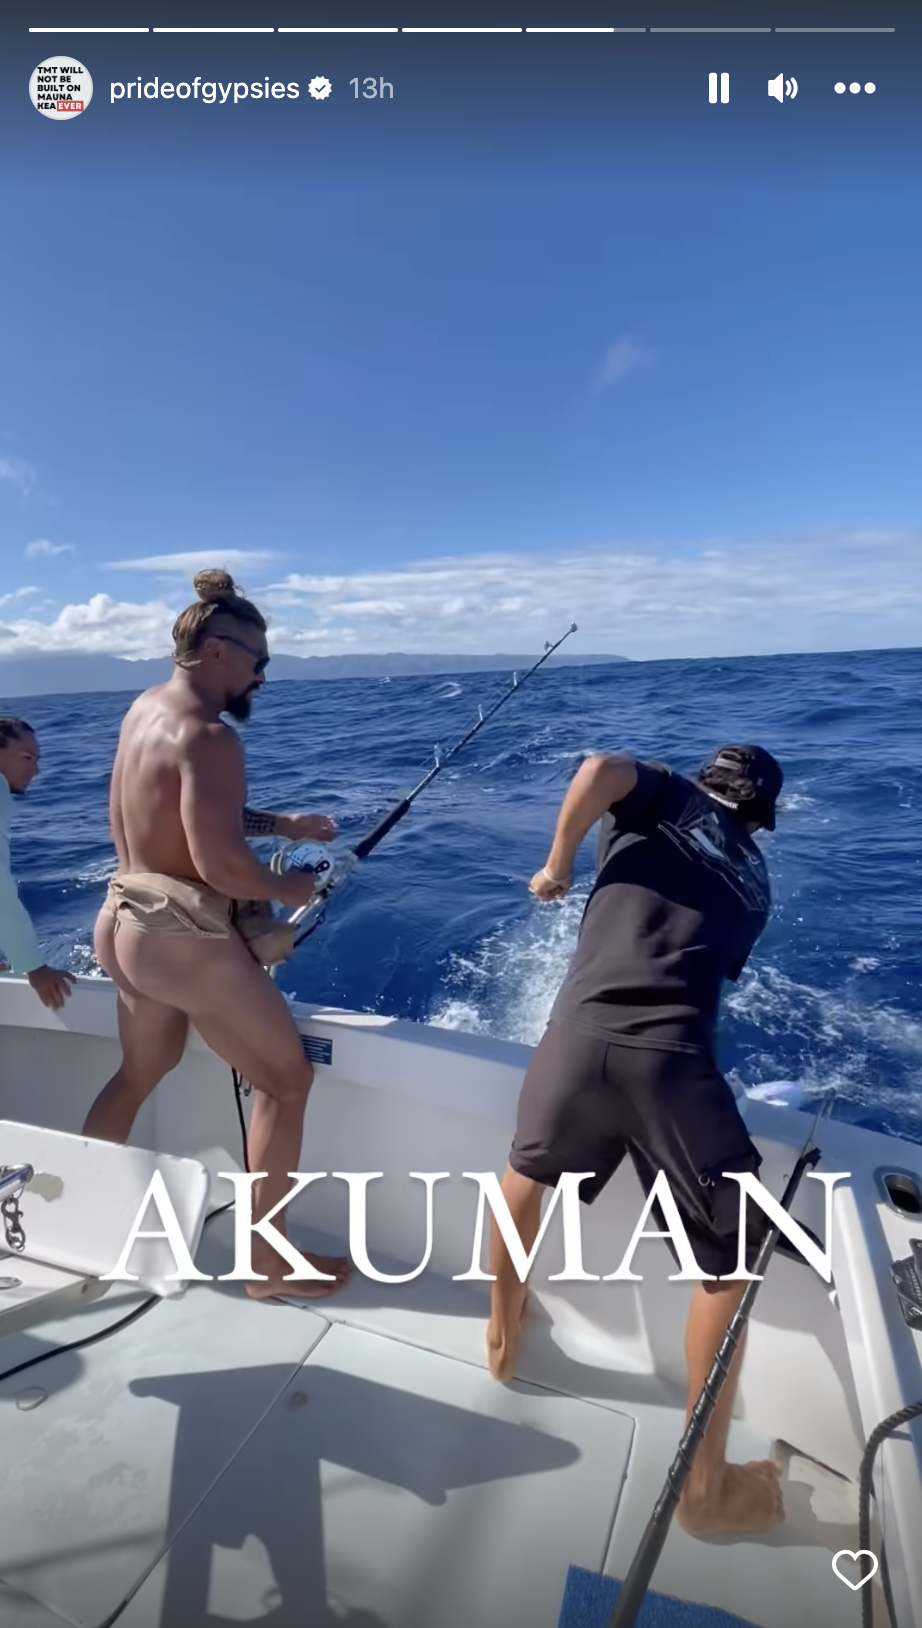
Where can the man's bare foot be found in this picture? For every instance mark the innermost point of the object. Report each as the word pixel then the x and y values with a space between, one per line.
pixel 276 1285
pixel 503 1342
pixel 745 1498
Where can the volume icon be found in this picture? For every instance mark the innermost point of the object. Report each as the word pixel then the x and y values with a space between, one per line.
pixel 781 87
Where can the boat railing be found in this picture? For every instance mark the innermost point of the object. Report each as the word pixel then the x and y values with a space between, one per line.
pixel 15 1175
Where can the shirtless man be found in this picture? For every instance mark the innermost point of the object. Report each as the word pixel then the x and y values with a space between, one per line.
pixel 628 1062
pixel 166 933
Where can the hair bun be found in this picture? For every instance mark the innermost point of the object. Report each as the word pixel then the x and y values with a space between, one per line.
pixel 214 586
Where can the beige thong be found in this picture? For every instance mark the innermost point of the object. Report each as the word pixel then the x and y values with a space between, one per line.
pixel 167 904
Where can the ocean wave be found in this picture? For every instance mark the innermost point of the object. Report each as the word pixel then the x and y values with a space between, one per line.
pixel 839 1038
pixel 94 874
pixel 439 926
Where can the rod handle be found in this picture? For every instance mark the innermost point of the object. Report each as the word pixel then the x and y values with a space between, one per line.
pixel 367 843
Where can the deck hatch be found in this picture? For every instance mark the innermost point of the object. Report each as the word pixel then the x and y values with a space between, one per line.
pixel 373 1481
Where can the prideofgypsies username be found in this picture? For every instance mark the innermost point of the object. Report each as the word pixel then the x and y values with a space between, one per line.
pixel 212 90
pixel 565 1194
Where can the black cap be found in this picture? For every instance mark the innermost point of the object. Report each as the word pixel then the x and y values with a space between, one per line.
pixel 747 778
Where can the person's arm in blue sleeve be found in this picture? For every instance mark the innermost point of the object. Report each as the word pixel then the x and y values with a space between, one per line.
pixel 18 938
pixel 19 942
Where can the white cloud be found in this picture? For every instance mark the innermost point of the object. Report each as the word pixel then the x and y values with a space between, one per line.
pixel 818 591
pixel 833 590
pixel 42 549
pixel 102 626
pixel 198 560
pixel 18 474
pixel 18 593
pixel 383 609
pixel 623 357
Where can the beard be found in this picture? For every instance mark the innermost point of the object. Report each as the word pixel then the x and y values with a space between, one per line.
pixel 239 705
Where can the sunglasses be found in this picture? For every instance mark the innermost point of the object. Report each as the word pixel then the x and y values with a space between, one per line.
pixel 260 663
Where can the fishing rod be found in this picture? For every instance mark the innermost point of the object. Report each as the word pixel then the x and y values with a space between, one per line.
pixel 307 919
pixel 634 1588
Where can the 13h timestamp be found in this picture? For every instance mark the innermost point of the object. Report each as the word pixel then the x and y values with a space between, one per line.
pixel 372 88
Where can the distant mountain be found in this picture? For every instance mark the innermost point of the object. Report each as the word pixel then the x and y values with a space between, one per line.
pixel 75 675
pixel 394 664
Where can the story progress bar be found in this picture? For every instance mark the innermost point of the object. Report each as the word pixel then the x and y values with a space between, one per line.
pixel 67 28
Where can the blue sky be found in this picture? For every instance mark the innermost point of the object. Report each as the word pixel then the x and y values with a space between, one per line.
pixel 546 337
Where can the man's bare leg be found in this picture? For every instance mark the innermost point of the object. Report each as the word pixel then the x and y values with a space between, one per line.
pixel 508 1296
pixel 153 1040
pixel 274 1144
pixel 720 1497
pixel 152 1036
pixel 242 1016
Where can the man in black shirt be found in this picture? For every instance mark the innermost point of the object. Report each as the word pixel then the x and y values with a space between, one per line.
pixel 627 1064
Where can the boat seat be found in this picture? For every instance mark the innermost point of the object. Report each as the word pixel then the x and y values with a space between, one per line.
pixel 78 1209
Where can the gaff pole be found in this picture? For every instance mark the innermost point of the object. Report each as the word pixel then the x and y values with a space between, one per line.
pixel 634 1588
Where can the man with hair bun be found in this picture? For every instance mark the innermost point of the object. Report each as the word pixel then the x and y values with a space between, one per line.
pixel 168 933
pixel 18 939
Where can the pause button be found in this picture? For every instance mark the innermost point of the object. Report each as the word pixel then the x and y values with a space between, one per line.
pixel 724 87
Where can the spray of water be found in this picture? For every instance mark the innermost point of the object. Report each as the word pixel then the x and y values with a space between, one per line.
pixel 870 1054
pixel 788 1041
pixel 508 983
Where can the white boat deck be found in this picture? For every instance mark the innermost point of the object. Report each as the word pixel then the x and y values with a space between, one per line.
pixel 224 1461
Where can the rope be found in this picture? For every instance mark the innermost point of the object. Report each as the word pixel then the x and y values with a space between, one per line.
pixel 865 1488
pixel 241 1088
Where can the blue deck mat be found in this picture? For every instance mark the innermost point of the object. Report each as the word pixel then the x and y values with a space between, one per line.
pixel 589 1599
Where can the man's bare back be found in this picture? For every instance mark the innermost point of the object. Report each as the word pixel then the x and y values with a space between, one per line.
pixel 178 795
pixel 166 935
pixel 159 731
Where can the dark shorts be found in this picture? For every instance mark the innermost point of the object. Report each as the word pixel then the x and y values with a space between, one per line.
pixel 586 1102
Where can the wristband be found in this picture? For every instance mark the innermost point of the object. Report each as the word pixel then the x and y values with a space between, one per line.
pixel 554 879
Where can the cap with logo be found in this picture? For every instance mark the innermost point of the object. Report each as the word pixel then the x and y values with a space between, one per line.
pixel 747 779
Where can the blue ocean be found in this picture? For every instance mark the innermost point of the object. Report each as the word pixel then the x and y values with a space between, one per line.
pixel 437 924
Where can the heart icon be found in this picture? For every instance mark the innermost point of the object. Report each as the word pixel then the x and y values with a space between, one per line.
pixel 854 1554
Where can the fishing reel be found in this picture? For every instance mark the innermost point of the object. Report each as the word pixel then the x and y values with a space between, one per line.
pixel 328 871
pixel 301 856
